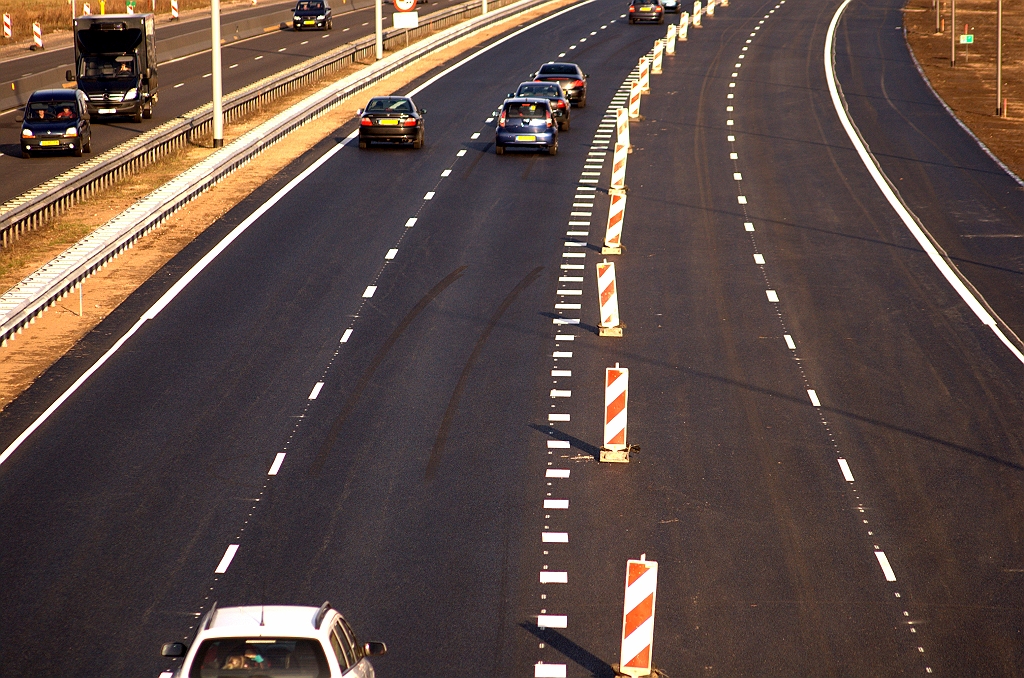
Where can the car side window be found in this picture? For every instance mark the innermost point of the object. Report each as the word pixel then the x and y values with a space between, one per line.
pixel 346 643
pixel 338 646
pixel 356 646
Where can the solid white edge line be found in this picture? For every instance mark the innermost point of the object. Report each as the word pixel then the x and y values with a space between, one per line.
pixel 276 466
pixel 909 219
pixel 170 294
pixel 225 562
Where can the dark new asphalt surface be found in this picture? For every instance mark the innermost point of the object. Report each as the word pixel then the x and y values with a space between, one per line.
pixel 185 85
pixel 411 494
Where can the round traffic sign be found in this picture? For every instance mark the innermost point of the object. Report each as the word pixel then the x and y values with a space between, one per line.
pixel 405 5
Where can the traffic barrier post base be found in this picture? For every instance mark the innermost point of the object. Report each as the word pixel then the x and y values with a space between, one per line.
pixel 610 331
pixel 615 455
pixel 611 250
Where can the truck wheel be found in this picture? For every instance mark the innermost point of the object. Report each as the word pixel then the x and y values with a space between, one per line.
pixel 88 146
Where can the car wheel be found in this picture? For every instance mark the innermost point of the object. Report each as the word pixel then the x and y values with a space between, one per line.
pixel 88 146
pixel 661 21
pixel 330 25
pixel 137 116
pixel 147 112
pixel 553 149
pixel 564 127
pixel 26 155
pixel 362 144
pixel 418 143
pixel 78 151
pixel 582 103
pixel 498 149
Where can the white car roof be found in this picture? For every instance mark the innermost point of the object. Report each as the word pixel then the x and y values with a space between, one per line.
pixel 278 620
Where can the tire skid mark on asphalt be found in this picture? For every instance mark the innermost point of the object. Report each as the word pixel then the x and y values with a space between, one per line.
pixel 844 466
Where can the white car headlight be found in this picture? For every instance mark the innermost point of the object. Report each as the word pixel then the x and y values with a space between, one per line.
pixel 131 94
pixel 321 17
pixel 71 132
pixel 27 133
pixel 297 18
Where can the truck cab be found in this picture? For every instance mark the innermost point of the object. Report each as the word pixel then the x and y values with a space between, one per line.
pixel 115 64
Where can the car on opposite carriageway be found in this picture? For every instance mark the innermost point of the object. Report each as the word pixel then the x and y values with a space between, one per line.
pixel 570 76
pixel 273 641
pixel 551 91
pixel 56 120
pixel 312 14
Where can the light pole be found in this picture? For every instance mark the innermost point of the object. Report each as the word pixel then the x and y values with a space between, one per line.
pixel 378 19
pixel 938 16
pixel 952 34
pixel 999 59
pixel 218 110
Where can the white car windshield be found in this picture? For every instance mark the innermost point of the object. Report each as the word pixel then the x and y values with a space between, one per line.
pixel 269 658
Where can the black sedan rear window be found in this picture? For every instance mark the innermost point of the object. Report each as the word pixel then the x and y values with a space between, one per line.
pixel 389 106
pixel 525 110
pixel 557 69
pixel 539 91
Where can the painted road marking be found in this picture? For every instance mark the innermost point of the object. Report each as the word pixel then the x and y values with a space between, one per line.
pixel 730 138
pixel 368 292
pixel 570 278
pixel 391 254
pixel 734 156
pixel 789 342
pixel 232 66
pixel 410 222
pixel 316 390
pixel 557 393
pixel 225 562
pixel 548 670
pixel 759 259
pixel 460 153
pixel 561 373
pixel 886 568
pixel 557 473
pixel 552 621
pixel 429 195
pixel 558 444
pixel 570 293
pixel 737 176
pixel 554 577
pixel 578 233
pixel 773 296
pixel 557 504
pixel 258 58
pixel 748 226
pixel 475 135
pixel 845 468
pixel 345 337
pixel 565 337
pixel 562 354
pixel 446 173
pixel 814 397
pixel 180 84
pixel 741 199
pixel 276 466
pixel 558 417
pixel 554 537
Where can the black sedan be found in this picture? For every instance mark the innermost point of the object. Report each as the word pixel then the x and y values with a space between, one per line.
pixel 56 120
pixel 312 14
pixel 646 10
pixel 392 119
pixel 551 91
pixel 570 76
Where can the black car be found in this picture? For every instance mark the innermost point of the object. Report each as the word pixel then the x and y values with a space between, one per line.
pixel 570 76
pixel 56 120
pixel 312 14
pixel 393 119
pixel 646 10
pixel 551 91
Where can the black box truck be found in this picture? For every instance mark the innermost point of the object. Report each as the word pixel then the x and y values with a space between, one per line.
pixel 115 64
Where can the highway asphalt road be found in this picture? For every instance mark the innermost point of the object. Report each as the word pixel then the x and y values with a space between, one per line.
pixel 185 85
pixel 831 442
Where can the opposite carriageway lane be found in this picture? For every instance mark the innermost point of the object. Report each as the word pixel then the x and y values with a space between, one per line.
pixel 185 85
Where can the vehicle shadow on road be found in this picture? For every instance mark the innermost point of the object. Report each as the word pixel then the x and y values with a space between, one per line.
pixel 571 650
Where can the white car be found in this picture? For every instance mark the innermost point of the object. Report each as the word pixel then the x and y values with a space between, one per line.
pixel 273 641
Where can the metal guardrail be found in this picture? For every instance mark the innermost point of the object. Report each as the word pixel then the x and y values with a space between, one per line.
pixel 34 208
pixel 51 283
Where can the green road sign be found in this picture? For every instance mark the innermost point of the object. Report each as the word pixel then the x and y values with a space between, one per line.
pixel 967 39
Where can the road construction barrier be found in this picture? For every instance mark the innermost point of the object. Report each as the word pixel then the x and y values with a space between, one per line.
pixel 711 9
pixel 86 9
pixel 670 40
pixel 616 397
pixel 174 10
pixel 696 14
pixel 8 31
pixel 634 100
pixel 645 75
pixel 129 9
pixel 622 128
pixel 659 52
pixel 684 26
pixel 609 301
pixel 616 215
pixel 619 167
pixel 723 3
pixel 636 653
pixel 37 36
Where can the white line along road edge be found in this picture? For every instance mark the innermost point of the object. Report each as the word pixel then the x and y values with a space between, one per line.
pixel 908 218
pixel 234 234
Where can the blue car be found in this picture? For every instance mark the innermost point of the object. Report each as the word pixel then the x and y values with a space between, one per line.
pixel 526 122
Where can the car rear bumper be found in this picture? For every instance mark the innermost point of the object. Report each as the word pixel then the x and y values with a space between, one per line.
pixel 540 140
pixel 376 133
pixel 653 17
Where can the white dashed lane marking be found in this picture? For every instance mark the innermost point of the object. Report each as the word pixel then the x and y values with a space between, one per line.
pixel 554 577
pixel 316 390
pixel 884 564
pixel 845 468
pixel 369 291
pixel 225 562
pixel 556 504
pixel 392 253
pixel 814 397
pixel 276 466
pixel 345 337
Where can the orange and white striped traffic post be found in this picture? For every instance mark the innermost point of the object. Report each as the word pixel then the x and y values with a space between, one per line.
pixel 608 296
pixel 174 10
pixel 86 9
pixel 37 36
pixel 616 215
pixel 711 9
pixel 634 100
pixel 8 31
pixel 645 75
pixel 696 14
pixel 636 652
pixel 670 40
pixel 622 128
pixel 619 167
pixel 723 3
pixel 659 52
pixel 684 26
pixel 616 396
